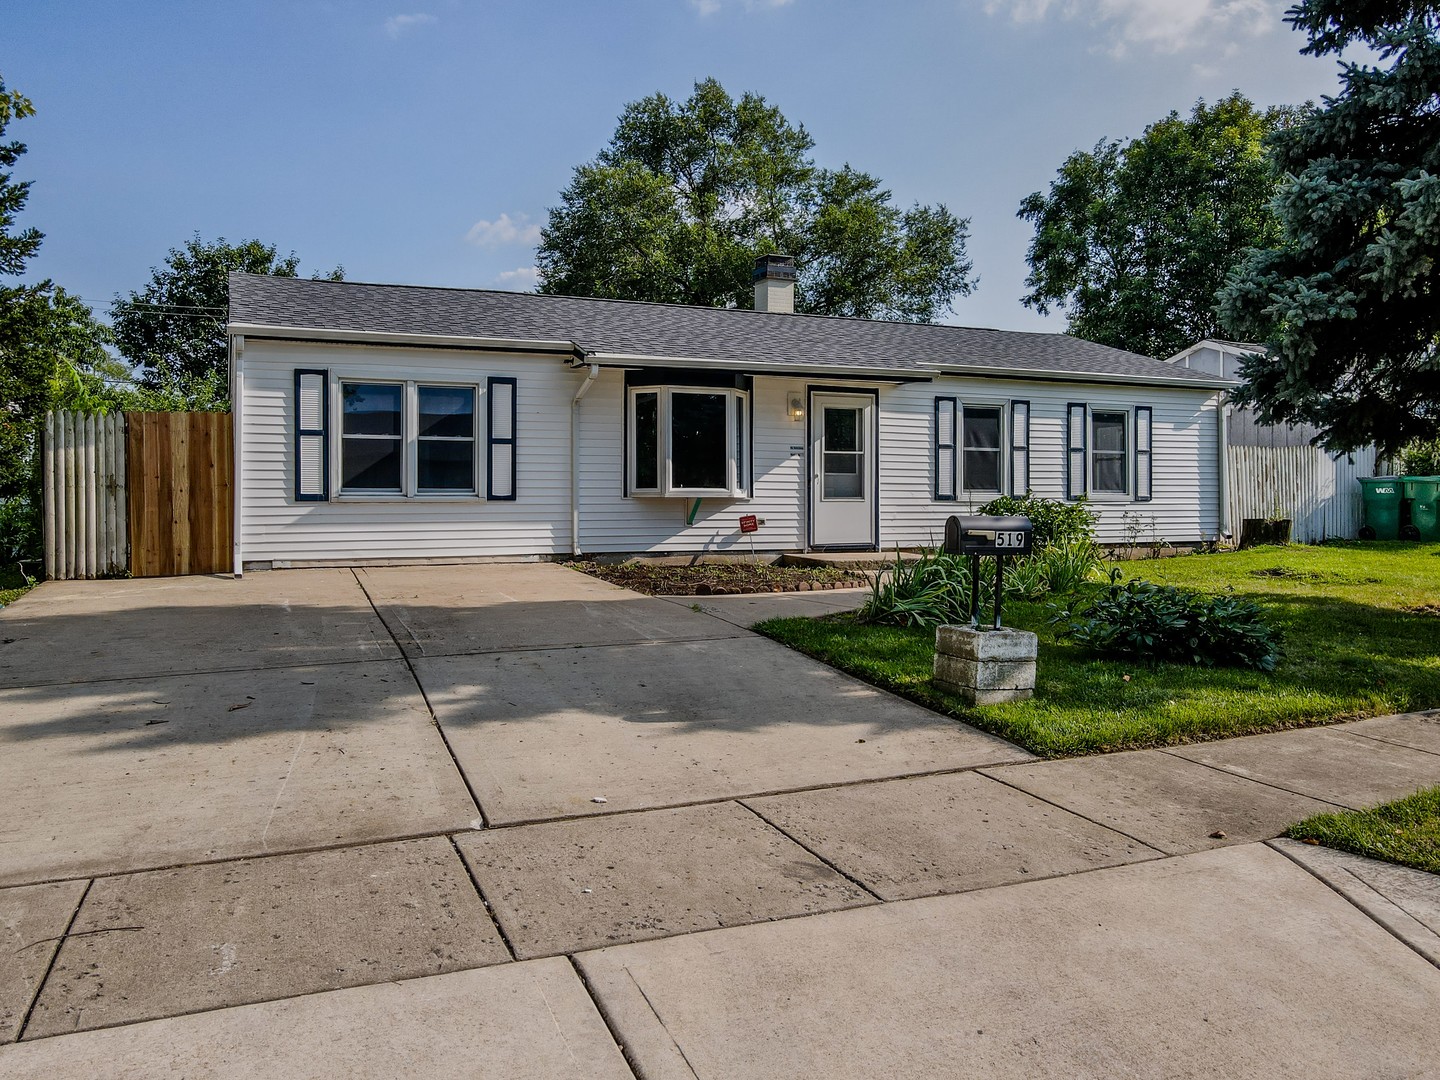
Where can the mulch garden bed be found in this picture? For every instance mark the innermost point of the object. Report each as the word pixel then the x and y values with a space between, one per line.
pixel 721 579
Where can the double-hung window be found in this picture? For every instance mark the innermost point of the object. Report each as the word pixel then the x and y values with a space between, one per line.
pixel 980 456
pixel 1109 452
pixel 977 468
pixel 688 441
pixel 407 439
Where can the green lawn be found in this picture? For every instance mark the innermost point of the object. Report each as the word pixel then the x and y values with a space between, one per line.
pixel 1405 832
pixel 12 585
pixel 1361 626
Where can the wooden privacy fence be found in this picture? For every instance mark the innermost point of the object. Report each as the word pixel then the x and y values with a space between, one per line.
pixel 147 493
pixel 1318 493
pixel 85 507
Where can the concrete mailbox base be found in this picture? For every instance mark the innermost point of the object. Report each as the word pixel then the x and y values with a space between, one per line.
pixel 985 667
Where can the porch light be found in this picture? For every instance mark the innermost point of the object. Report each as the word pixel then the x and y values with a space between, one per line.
pixel 796 406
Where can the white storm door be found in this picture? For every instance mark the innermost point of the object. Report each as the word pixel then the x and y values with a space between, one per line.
pixel 842 470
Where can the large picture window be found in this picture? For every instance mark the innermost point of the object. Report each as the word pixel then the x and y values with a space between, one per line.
pixel 407 439
pixel 689 441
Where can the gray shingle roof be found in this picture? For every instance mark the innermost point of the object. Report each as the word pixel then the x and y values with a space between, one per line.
pixel 754 339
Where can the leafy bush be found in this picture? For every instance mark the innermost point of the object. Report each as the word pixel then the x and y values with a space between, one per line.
pixel 1053 521
pixel 1161 622
pixel 20 529
pixel 1421 459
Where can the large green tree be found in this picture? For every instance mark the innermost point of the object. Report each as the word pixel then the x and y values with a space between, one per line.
pixel 43 329
pixel 687 194
pixel 173 330
pixel 1346 299
pixel 1134 237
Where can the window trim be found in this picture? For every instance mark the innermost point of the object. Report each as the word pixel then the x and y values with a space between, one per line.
pixel 739 443
pixel 1128 455
pixel 409 490
pixel 1002 432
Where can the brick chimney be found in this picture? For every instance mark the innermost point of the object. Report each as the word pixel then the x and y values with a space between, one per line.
pixel 774 279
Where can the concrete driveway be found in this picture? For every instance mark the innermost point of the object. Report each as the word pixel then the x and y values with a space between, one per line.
pixel 348 813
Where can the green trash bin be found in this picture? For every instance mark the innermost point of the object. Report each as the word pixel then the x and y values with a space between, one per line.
pixel 1381 501
pixel 1420 519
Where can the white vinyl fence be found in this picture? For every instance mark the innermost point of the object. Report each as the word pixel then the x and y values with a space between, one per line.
pixel 86 530
pixel 1317 492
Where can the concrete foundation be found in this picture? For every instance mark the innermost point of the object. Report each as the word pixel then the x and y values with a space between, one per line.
pixel 986 667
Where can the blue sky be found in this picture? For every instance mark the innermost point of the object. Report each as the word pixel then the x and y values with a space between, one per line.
pixel 421 141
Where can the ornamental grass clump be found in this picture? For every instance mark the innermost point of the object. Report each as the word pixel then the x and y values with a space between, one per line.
pixel 935 588
pixel 1157 623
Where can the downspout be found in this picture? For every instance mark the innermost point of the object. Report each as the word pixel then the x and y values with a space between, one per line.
pixel 575 458
pixel 237 414
pixel 1223 424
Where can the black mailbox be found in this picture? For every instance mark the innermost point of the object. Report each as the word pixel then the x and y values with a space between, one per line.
pixel 981 534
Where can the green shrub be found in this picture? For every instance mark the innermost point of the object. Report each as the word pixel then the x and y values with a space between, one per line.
pixel 1161 622
pixel 1420 459
pixel 20 530
pixel 1052 520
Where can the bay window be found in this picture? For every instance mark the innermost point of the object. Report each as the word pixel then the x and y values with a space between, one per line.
pixel 688 441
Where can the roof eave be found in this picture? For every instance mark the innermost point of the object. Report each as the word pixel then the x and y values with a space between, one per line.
pixel 1061 375
pixel 397 337
pixel 758 367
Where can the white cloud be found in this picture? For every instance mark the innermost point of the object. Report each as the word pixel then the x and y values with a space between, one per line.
pixel 710 7
pixel 521 279
pixel 396 25
pixel 1163 26
pixel 503 231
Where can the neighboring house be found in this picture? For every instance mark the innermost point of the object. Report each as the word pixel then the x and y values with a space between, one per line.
pixel 1275 469
pixel 385 422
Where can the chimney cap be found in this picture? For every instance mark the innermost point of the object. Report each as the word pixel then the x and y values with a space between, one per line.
pixel 776 267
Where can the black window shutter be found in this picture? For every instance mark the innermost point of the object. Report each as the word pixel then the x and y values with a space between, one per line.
pixel 1019 448
pixel 1144 467
pixel 312 444
pixel 946 415
pixel 1076 447
pixel 500 394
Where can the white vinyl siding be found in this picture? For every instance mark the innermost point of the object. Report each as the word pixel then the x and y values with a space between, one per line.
pixel 609 521
pixel 275 527
pixel 1184 441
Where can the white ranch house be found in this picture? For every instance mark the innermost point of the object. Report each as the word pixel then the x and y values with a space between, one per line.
pixel 383 422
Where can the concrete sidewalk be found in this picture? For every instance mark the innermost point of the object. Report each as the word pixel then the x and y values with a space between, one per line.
pixel 404 819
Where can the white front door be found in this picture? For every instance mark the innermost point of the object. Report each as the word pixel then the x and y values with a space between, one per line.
pixel 842 470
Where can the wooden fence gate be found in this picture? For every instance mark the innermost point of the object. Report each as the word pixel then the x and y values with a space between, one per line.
pixel 180 468
pixel 151 493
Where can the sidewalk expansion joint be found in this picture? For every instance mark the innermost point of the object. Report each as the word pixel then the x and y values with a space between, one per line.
pixel 1256 780
pixel 991 775
pixel 1356 904
pixel 434 718
pixel 806 847
pixel 50 967
pixel 480 892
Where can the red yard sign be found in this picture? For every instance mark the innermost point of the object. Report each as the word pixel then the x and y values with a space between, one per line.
pixel 749 523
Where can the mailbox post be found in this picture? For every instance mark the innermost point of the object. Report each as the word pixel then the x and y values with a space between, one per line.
pixel 986 665
pixel 977 535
